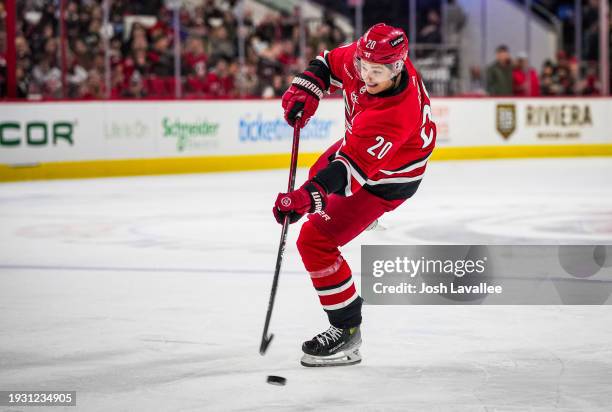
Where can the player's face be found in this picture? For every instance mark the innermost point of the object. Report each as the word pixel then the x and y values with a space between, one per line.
pixel 377 77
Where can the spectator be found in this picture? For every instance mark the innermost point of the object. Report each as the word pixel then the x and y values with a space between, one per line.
pixel 564 78
pixel 565 81
pixel 117 12
pixel 194 55
pixel 269 65
pixel 431 33
pixel 47 79
pixel 247 81
pixel 51 50
pixel 92 38
pixel 38 38
pixel 525 80
pixel 476 82
pixel 559 79
pixel 138 34
pixel 220 82
pixel 82 54
pixel 116 53
pixel 162 60
pixel 287 55
pixel 267 30
pixel 23 84
pixel 499 73
pixel 136 64
pixel 2 17
pixel 93 87
pixel 275 89
pixel 118 83
pixel 196 85
pixel 22 50
pixel 547 79
pixel 221 45
pixel 75 77
pixel 136 87
pixel 590 84
pixel 141 61
pixel 454 22
pixel 163 24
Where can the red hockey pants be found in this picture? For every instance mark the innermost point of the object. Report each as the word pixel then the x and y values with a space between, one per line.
pixel 342 220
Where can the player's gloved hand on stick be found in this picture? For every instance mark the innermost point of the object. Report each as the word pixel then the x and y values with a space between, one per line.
pixel 309 198
pixel 302 96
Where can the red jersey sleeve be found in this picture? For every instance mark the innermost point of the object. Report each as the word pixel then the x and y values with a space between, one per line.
pixel 335 61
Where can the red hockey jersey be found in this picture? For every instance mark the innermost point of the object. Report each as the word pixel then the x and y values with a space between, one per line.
pixel 388 138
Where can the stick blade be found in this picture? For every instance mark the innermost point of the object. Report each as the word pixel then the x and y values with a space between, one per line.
pixel 265 342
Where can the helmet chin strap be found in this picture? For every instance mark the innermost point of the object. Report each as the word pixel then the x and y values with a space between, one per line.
pixel 395 81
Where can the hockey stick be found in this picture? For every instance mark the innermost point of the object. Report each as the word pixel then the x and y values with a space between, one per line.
pixel 265 338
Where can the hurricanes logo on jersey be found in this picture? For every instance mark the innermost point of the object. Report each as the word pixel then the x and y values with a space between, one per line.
pixel 286 201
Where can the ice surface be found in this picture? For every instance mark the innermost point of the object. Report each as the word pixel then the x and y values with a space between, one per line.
pixel 150 294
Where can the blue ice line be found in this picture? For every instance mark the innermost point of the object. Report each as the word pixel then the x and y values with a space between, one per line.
pixel 144 269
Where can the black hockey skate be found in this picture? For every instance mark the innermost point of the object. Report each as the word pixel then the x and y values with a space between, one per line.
pixel 334 347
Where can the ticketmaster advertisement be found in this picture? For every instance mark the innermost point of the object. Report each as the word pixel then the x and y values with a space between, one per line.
pixel 42 132
pixel 486 275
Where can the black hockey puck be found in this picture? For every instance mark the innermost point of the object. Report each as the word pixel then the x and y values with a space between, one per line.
pixel 276 380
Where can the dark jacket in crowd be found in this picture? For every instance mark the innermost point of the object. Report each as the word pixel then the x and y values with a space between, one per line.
pixel 499 79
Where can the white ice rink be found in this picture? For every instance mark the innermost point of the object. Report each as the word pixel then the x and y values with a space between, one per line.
pixel 149 294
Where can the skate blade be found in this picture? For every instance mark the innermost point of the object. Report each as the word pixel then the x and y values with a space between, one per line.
pixel 343 358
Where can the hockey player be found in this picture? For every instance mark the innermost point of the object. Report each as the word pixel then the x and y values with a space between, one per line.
pixel 378 164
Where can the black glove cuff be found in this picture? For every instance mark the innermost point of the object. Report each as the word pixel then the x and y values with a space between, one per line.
pixel 321 71
pixel 318 197
pixel 308 84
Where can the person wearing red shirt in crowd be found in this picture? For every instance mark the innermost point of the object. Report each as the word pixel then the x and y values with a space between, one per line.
pixel 380 162
pixel 195 55
pixel 287 53
pixel 219 82
pixel 525 81
pixel 195 60
pixel 196 85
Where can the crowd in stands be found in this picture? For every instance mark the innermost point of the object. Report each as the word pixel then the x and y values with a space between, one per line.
pixel 562 76
pixel 507 76
pixel 140 42
pixel 141 50
pixel 564 11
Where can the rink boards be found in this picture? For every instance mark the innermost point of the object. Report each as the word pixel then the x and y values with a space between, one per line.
pixel 119 138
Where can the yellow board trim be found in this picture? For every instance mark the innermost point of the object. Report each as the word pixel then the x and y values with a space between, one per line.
pixel 138 167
